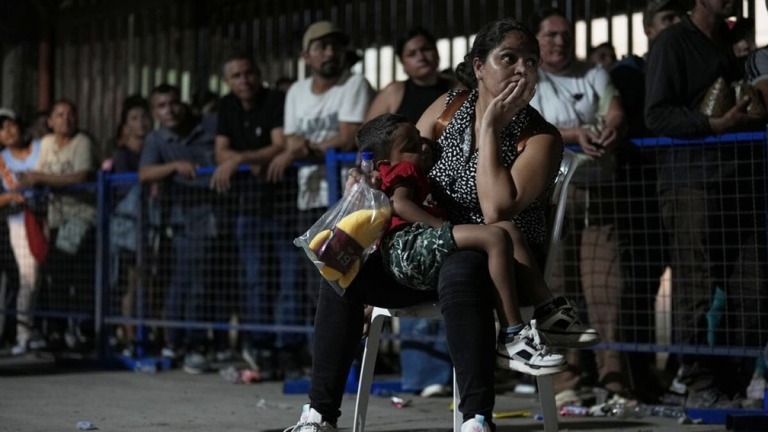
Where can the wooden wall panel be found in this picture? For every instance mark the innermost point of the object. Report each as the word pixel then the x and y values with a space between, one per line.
pixel 105 50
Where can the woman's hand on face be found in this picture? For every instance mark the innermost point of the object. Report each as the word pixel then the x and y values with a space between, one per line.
pixel 504 107
pixel 354 175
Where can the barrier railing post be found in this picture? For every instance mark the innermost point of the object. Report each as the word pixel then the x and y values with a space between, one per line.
pixel 102 261
pixel 332 176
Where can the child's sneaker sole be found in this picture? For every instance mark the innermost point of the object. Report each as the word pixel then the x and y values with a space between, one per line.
pixel 562 327
pixel 515 365
pixel 570 339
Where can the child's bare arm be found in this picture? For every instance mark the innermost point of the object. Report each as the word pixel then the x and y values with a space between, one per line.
pixel 405 208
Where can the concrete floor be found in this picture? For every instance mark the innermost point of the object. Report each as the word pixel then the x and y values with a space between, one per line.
pixel 36 394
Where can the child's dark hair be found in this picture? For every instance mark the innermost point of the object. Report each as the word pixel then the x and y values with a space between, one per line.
pixel 376 135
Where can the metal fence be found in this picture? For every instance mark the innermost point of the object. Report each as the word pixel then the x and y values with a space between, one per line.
pixel 142 254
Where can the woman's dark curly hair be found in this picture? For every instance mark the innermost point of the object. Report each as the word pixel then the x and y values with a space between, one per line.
pixel 488 38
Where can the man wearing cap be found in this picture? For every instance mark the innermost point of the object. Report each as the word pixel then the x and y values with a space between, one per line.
pixel 711 245
pixel 322 112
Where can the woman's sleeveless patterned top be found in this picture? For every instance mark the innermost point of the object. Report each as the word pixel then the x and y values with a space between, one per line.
pixel 453 176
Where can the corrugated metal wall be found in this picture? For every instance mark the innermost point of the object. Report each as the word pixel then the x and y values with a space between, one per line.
pixel 105 50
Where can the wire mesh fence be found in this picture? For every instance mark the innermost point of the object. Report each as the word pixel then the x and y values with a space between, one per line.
pixel 661 256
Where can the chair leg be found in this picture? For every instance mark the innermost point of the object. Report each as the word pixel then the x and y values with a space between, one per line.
pixel 366 372
pixel 458 417
pixel 547 401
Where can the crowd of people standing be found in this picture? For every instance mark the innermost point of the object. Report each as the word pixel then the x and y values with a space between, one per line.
pixel 225 238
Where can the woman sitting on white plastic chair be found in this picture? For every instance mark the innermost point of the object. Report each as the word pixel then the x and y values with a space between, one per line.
pixel 479 177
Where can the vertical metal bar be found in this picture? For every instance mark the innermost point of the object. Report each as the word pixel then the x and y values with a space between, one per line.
pixel 130 50
pixel 609 18
pixel 102 262
pixel 409 14
pixel 44 62
pixel 152 45
pixel 141 297
pixel 96 76
pixel 362 21
pixel 467 24
pixel 630 27
pixel 394 36
pixel 332 170
pixel 449 21
pixel 428 15
pixel 266 32
pixel 84 72
pixel 201 52
pixel 377 12
pixel 588 21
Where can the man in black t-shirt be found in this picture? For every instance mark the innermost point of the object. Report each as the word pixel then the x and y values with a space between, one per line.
pixel 250 132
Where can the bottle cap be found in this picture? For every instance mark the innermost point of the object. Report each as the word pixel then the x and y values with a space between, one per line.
pixel 366 155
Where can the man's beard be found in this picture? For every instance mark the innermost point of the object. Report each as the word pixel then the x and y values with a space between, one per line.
pixel 330 71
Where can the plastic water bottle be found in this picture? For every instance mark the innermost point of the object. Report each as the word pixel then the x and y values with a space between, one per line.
pixel 366 162
pixel 574 411
pixel 667 411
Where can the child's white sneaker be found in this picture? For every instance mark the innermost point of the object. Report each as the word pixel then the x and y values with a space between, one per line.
pixel 527 353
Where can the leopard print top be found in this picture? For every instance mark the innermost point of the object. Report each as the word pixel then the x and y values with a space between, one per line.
pixel 453 175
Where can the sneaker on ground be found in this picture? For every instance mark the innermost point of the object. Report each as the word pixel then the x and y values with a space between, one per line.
pixel 678 387
pixel 127 351
pixel 195 364
pixel 562 328
pixel 435 390
pixel 19 349
pixel 226 355
pixel 37 343
pixel 476 424
pixel 567 397
pixel 711 397
pixel 527 354
pixel 261 360
pixel 756 387
pixel 311 421
pixel 169 353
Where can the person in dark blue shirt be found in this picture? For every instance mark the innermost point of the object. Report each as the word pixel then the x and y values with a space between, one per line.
pixel 172 153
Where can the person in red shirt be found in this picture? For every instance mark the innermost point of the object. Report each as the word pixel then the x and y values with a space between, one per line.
pixel 419 238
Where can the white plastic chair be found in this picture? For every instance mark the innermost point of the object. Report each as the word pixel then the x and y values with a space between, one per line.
pixel 432 311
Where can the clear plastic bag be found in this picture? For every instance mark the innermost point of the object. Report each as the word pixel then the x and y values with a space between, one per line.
pixel 341 240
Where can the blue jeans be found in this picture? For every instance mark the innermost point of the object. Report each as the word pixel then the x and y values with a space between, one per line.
pixel 423 362
pixel 185 298
pixel 253 233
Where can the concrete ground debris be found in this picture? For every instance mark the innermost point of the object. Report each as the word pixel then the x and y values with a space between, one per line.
pixel 39 395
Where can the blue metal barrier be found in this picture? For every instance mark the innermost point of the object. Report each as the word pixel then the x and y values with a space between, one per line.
pixel 107 183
